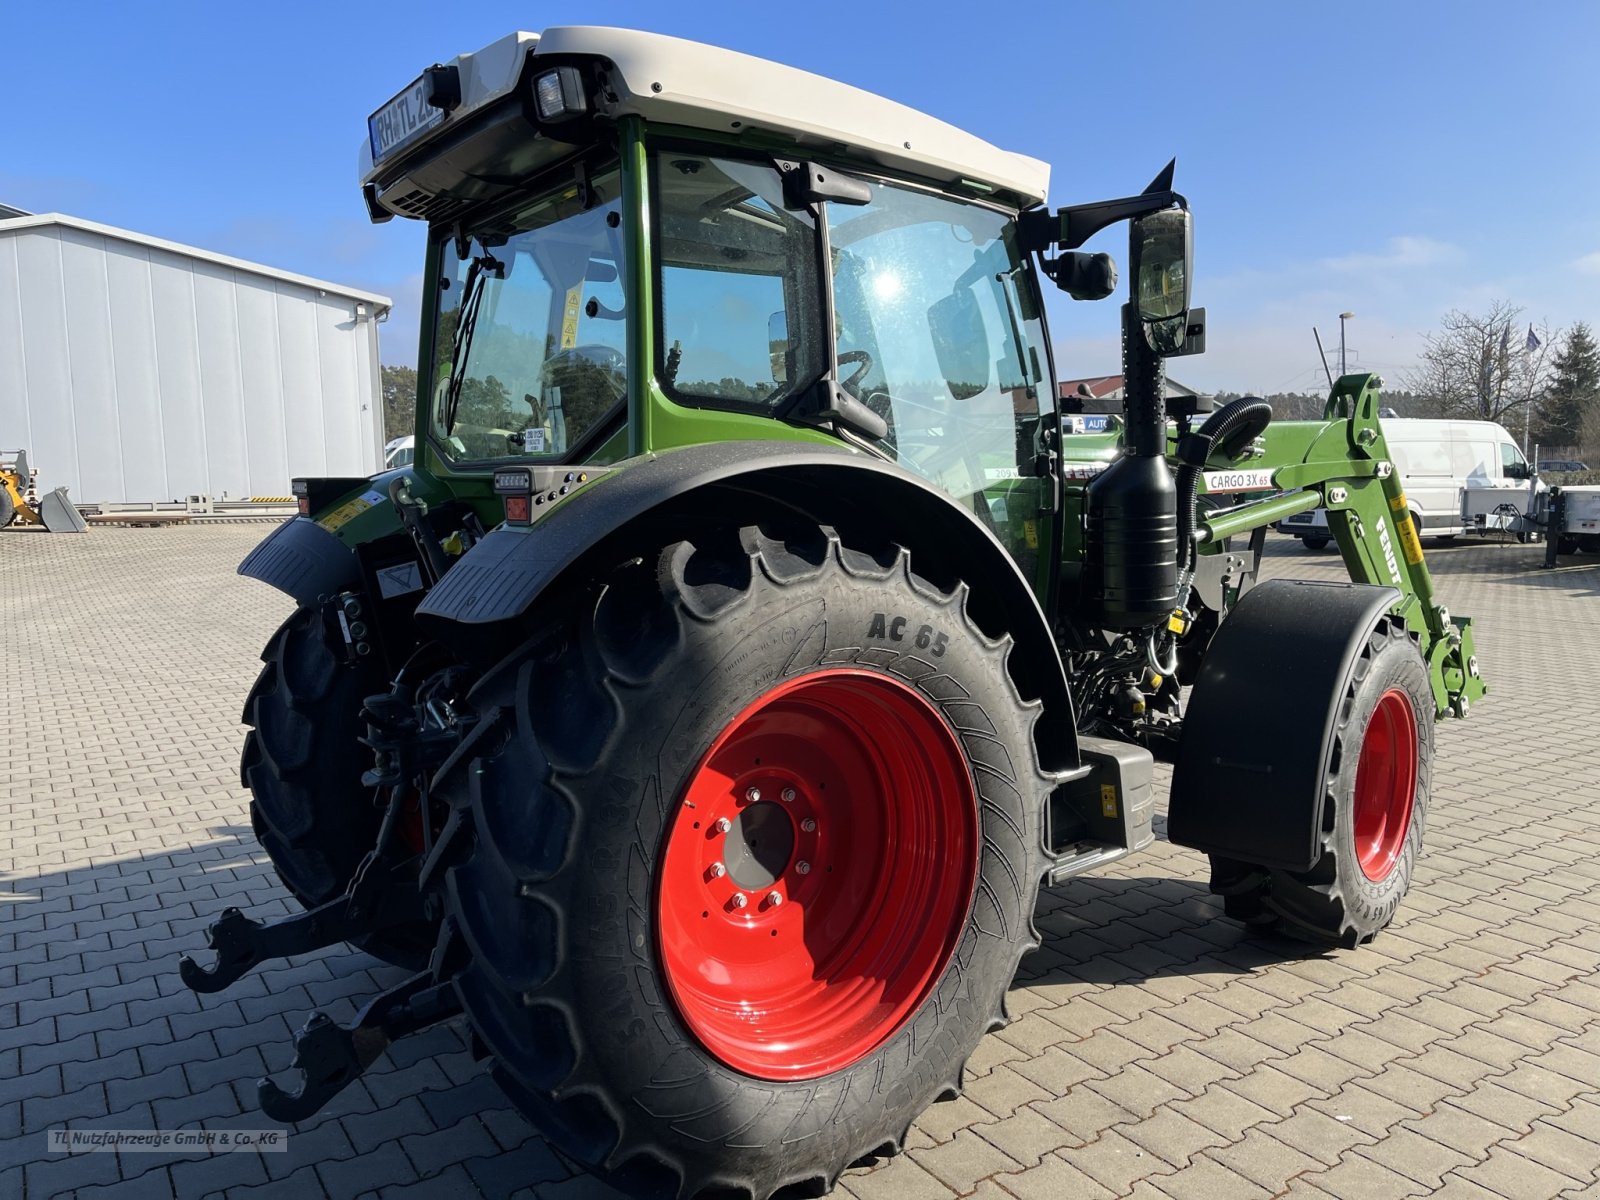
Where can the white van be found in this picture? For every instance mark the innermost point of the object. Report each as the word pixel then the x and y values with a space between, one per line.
pixel 1453 472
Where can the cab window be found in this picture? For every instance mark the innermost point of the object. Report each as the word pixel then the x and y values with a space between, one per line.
pixel 530 338
pixel 740 308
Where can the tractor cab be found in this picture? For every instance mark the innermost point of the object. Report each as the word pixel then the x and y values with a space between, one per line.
pixel 638 243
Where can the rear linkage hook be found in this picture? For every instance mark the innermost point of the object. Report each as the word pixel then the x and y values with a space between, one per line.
pixel 330 1056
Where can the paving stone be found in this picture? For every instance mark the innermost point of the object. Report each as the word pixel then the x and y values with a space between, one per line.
pixel 1026 1136
pixel 1360 1178
pixel 1515 1177
pixel 1052 1179
pixel 1264 1160
pixel 1572 1155
pixel 431 1153
pixel 961 1162
pixel 1204 1179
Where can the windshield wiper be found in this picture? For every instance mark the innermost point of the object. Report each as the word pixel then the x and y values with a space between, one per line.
pixel 479 271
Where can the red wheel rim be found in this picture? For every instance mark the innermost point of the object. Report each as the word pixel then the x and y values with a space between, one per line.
pixel 817 874
pixel 1386 784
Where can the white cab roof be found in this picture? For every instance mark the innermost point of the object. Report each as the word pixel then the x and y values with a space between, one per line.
pixel 673 81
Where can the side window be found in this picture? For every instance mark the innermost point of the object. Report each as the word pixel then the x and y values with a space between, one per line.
pixel 740 300
pixel 1511 461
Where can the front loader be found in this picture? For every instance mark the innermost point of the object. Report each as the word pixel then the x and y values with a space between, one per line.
pixel 700 713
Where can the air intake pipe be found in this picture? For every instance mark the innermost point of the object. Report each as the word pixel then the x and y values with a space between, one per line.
pixel 1131 508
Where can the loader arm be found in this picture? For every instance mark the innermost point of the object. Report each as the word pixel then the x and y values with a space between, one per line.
pixel 1343 464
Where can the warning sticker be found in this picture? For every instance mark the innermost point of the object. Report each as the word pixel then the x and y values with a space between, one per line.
pixel 350 510
pixel 1238 481
pixel 399 579
pixel 1108 799
pixel 344 514
pixel 1410 544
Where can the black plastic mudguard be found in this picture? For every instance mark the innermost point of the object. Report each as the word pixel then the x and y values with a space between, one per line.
pixel 501 577
pixel 1258 731
pixel 303 559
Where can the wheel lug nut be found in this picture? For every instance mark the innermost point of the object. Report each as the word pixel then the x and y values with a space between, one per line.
pixel 753 795
pixel 723 824
pixel 774 899
pixel 718 870
pixel 803 867
pixel 808 825
pixel 739 900
pixel 788 795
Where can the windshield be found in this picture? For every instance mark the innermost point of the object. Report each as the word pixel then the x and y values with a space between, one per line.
pixel 938 331
pixel 529 342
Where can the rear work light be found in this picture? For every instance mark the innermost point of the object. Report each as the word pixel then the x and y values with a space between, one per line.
pixel 558 94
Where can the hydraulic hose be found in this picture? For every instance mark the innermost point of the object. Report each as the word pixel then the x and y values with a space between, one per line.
pixel 1229 430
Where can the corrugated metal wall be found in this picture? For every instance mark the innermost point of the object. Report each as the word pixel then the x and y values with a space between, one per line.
pixel 134 373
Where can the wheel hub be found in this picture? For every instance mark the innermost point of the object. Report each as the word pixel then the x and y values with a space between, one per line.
pixel 831 810
pixel 759 846
pixel 1386 785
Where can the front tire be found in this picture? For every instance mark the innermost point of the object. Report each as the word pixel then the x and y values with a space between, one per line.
pixel 750 716
pixel 1374 812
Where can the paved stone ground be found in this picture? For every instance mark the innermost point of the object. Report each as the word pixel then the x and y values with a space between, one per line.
pixel 1158 1053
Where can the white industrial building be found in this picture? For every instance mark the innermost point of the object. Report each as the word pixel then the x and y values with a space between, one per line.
pixel 134 369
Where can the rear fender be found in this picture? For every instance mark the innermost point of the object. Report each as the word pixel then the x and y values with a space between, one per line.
pixel 315 555
pixel 482 606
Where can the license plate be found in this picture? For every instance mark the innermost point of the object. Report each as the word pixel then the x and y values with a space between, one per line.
pixel 402 121
pixel 1298 519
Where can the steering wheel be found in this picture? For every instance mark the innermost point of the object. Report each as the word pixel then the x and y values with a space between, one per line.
pixel 612 365
pixel 864 364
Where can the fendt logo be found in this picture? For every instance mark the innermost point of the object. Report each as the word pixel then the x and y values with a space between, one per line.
pixel 1388 552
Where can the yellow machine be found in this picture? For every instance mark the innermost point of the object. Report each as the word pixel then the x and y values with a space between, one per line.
pixel 16 490
pixel 21 504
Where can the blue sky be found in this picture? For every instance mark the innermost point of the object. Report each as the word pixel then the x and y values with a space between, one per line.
pixel 1391 159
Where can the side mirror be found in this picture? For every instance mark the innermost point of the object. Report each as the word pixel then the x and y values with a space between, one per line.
pixel 778 346
pixel 1161 257
pixel 961 343
pixel 1516 471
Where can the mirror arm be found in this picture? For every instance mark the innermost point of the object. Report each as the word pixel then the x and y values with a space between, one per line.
pixel 1068 228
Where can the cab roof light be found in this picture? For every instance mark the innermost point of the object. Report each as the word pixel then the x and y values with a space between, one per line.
pixel 558 94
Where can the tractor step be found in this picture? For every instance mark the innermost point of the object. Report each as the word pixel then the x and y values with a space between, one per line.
pixel 330 1056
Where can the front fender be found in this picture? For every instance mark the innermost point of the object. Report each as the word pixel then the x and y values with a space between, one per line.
pixel 502 578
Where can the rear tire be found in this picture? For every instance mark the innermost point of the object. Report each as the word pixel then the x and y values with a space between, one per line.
pixel 1315 543
pixel 1374 812
pixel 587 889
pixel 302 762
pixel 8 507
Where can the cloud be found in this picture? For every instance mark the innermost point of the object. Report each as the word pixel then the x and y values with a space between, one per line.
pixel 1589 264
pixel 1400 253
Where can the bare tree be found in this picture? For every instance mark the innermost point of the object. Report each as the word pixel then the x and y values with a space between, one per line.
pixel 1482 366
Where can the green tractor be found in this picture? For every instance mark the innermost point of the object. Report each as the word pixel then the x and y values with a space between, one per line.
pixel 703 709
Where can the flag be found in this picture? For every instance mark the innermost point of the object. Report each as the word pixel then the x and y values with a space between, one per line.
pixel 1532 343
